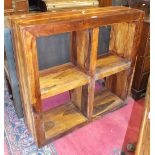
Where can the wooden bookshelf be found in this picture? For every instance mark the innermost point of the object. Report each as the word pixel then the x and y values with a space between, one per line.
pixel 79 76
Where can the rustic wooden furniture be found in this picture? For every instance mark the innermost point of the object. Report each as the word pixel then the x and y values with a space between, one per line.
pixel 142 70
pixel 143 144
pixel 78 76
pixel 15 6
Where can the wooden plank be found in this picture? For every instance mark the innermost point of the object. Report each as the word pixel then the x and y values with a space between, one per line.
pixel 32 117
pixel 85 46
pixel 32 69
pixel 105 101
pixel 61 119
pixel 22 80
pixel 61 79
pixel 110 64
pixel 58 21
pixel 122 39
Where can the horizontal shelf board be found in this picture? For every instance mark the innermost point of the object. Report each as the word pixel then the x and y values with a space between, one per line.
pixel 105 101
pixel 110 64
pixel 62 119
pixel 61 78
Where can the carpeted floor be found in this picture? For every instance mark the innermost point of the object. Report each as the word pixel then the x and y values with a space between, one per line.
pixel 105 136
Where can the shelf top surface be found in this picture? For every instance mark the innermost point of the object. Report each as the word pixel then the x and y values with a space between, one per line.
pixel 59 79
pixel 88 17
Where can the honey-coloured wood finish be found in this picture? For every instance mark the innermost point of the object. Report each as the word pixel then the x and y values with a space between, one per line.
pixel 110 64
pixel 62 119
pixel 105 101
pixel 60 79
pixel 84 69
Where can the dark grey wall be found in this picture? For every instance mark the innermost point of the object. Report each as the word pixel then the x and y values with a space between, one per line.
pixel 55 50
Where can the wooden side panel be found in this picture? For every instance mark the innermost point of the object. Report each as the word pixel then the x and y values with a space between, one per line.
pixel 32 78
pixel 32 117
pixel 125 38
pixel 21 75
pixel 121 39
pixel 29 43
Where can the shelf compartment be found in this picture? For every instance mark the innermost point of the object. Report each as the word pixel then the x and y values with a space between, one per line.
pixel 61 78
pixel 62 119
pixel 110 64
pixel 105 101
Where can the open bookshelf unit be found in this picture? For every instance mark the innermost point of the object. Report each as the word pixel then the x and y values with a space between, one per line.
pixel 84 70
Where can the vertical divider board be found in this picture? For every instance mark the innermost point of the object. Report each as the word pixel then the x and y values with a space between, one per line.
pixel 84 47
pixel 84 27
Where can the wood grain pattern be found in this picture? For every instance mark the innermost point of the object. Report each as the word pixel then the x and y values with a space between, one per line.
pixel 80 75
pixel 61 79
pixel 84 46
pixel 32 118
pixel 104 101
pixel 122 39
pixel 61 119
pixel 67 21
pixel 110 64
pixel 130 33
